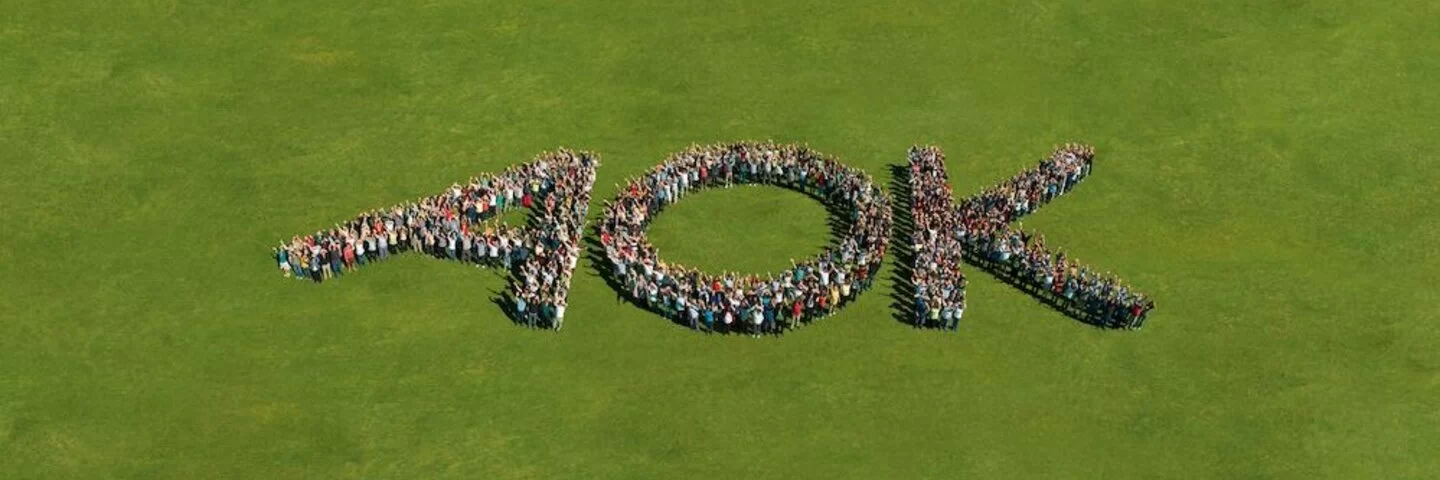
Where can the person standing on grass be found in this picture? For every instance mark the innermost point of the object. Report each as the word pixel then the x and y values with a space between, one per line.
pixel 921 310
pixel 467 246
pixel 797 309
pixel 1144 312
pixel 316 255
pixel 315 269
pixel 299 265
pixel 768 305
pixel 547 312
pixel 822 305
pixel 282 256
pixel 960 306
pixel 371 246
pixel 321 256
pixel 693 314
pixel 383 244
pixel 757 317
pixel 834 299
pixel 393 238
pixel 348 256
pixel 360 251
pixel 295 264
pixel 936 305
pixel 520 310
pixel 330 261
pixel 559 312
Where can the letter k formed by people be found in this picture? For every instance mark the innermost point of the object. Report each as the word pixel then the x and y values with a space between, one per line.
pixel 980 231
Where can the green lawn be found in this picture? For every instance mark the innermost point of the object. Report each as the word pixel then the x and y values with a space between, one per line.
pixel 1267 171
pixel 750 229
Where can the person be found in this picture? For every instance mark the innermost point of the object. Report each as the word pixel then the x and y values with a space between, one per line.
pixel 315 270
pixel 694 315
pixel 757 318
pixel 300 265
pixel 797 311
pixel 294 265
pixel 331 258
pixel 520 307
pixel 959 312
pixel 559 313
pixel 546 314
pixel 282 256
pixel 934 312
pixel 922 309
pixel 769 308
pixel 348 256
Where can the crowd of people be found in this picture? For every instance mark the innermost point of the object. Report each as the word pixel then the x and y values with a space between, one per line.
pixel 982 231
pixel 936 275
pixel 463 224
pixel 737 303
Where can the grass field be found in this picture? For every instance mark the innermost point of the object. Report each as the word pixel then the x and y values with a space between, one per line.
pixel 1267 172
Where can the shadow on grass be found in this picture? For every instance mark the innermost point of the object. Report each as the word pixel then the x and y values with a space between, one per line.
pixel 902 296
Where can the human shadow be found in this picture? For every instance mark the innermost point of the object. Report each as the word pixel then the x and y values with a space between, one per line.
pixel 903 294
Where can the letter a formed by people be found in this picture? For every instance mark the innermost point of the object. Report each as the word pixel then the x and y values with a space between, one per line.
pixel 980 231
pixel 463 223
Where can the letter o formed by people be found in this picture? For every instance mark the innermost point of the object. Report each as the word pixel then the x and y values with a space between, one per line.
pixel 750 304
